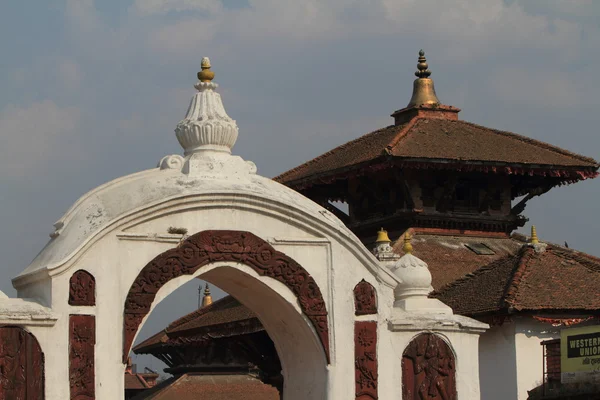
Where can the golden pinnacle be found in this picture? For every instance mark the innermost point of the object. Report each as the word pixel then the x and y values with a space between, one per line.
pixel 422 71
pixel 382 236
pixel 407 247
pixel 206 75
pixel 534 238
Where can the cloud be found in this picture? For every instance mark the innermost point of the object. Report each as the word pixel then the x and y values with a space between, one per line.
pixel 35 135
pixel 150 7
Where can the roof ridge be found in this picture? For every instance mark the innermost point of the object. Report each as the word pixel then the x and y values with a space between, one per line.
pixel 196 313
pixel 403 132
pixel 471 275
pixel 536 142
pixel 589 261
pixel 518 275
pixel 340 147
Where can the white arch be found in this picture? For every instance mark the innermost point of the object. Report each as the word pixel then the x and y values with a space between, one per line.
pixel 301 354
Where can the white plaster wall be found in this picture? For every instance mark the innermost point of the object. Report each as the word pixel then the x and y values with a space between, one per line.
pixel 497 363
pixel 115 260
pixel 529 333
pixel 463 344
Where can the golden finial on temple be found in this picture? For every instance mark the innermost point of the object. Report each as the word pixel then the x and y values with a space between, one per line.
pixel 423 90
pixel 382 236
pixel 207 299
pixel 422 71
pixel 534 237
pixel 206 75
pixel 407 247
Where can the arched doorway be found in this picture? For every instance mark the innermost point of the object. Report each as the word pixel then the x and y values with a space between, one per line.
pixel 428 369
pixel 21 365
pixel 281 292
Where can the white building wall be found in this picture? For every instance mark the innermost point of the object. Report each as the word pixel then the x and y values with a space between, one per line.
pixel 529 333
pixel 497 363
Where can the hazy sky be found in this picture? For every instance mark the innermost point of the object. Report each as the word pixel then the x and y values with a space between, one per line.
pixel 92 90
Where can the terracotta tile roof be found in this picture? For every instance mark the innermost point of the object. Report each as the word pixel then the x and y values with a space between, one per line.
pixel 223 311
pixel 449 258
pixel 211 387
pixel 438 141
pixel 557 279
pixel 137 381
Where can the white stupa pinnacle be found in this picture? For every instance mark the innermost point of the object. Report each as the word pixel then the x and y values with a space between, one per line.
pixel 206 126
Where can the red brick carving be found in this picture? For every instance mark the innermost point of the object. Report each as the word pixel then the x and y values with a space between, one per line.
pixel 82 341
pixel 21 365
pixel 365 359
pixel 428 369
pixel 82 289
pixel 212 246
pixel 365 299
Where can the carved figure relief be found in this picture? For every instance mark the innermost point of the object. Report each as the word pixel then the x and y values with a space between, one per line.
pixel 21 365
pixel 235 246
pixel 365 359
pixel 365 299
pixel 428 369
pixel 82 341
pixel 82 289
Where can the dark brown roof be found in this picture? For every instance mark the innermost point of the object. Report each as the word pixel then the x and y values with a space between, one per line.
pixel 223 311
pixel 211 387
pixel 557 279
pixel 447 142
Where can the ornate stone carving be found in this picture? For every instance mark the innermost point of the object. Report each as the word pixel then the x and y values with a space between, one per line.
pixel 365 364
pixel 21 365
pixel 82 289
pixel 174 161
pixel 428 369
pixel 82 341
pixel 365 299
pixel 212 246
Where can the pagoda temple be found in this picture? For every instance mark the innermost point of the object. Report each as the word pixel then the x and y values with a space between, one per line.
pixel 435 173
pixel 222 347
pixel 445 188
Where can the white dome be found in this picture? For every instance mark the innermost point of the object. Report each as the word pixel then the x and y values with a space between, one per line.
pixel 414 276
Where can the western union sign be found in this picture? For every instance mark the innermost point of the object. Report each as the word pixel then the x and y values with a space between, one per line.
pixel 580 354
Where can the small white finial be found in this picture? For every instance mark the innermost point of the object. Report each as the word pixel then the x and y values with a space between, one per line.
pixel 206 127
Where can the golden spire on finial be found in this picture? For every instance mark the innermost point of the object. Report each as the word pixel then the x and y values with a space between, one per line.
pixel 382 236
pixel 423 90
pixel 534 238
pixel 207 299
pixel 407 247
pixel 422 71
pixel 206 75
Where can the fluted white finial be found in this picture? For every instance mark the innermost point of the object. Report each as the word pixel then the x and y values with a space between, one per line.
pixel 206 126
pixel 412 292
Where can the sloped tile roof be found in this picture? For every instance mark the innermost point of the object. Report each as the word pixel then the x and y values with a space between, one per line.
pixel 447 142
pixel 211 387
pixel 557 279
pixel 222 311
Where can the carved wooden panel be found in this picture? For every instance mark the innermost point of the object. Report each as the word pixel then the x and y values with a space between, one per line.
pixel 21 365
pixel 82 289
pixel 365 299
pixel 365 359
pixel 428 369
pixel 212 246
pixel 82 341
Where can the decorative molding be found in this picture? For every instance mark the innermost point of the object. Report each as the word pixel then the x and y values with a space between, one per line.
pixel 82 342
pixel 211 246
pixel 428 369
pixel 174 161
pixel 365 299
pixel 82 289
pixel 365 360
pixel 21 365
